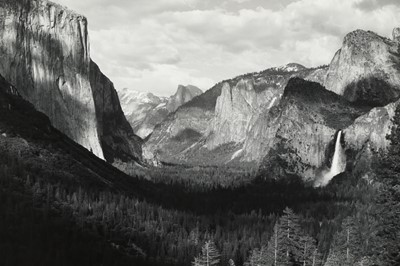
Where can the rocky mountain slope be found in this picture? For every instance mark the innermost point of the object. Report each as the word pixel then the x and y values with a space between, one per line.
pixel 213 126
pixel 299 130
pixel 45 52
pixel 28 135
pixel 290 128
pixel 366 69
pixel 145 110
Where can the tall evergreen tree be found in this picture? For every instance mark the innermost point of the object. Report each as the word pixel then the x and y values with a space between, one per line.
pixel 347 245
pixel 275 254
pixel 290 236
pixel 258 257
pixel 309 252
pixel 387 250
pixel 209 255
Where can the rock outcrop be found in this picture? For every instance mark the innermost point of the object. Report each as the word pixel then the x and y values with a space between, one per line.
pixel 371 129
pixel 45 52
pixel 297 131
pixel 366 69
pixel 219 119
pixel 234 110
pixel 145 110
pixel 183 95
pixel 116 135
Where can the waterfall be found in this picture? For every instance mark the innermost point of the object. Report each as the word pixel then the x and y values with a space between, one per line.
pixel 338 163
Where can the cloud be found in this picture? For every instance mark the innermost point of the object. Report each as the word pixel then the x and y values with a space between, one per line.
pixel 375 4
pixel 154 47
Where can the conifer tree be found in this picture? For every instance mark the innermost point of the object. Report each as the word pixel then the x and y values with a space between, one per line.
pixel 290 235
pixel 309 253
pixel 209 255
pixel 258 257
pixel 275 254
pixel 346 248
pixel 387 248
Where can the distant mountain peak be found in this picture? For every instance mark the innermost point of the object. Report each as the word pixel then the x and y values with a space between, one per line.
pixel 190 88
pixel 183 95
pixel 291 67
pixel 145 110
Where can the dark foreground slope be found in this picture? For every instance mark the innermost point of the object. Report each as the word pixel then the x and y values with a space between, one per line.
pixel 61 205
pixel 40 168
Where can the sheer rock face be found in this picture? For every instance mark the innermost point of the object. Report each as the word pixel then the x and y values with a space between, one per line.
pixel 366 69
pixel 183 95
pixel 45 51
pixel 371 129
pixel 218 121
pixel 116 135
pixel 234 110
pixel 298 131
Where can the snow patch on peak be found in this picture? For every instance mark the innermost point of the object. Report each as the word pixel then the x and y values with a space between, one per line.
pixel 291 67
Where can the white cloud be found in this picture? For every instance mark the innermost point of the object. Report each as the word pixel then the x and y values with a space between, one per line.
pixel 156 46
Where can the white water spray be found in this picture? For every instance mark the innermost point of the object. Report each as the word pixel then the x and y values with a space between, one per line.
pixel 338 163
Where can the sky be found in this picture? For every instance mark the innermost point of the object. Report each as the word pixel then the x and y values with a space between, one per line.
pixel 155 45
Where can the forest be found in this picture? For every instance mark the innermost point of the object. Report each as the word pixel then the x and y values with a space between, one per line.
pixel 47 220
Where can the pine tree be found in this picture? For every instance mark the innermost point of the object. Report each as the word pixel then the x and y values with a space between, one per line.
pixel 387 249
pixel 209 255
pixel 347 244
pixel 275 254
pixel 258 257
pixel 290 236
pixel 309 253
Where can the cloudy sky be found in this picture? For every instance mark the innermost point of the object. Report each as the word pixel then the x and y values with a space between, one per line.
pixel 154 45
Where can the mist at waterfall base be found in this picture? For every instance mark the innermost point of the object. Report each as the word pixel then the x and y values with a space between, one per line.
pixel 338 164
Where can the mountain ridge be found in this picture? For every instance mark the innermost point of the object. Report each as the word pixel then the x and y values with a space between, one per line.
pixel 213 117
pixel 146 110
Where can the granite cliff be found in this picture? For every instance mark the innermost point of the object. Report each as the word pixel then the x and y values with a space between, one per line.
pixel 366 69
pixel 212 128
pixel 45 52
pixel 289 127
pixel 299 130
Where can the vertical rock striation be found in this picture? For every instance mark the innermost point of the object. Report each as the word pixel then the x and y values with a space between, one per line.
pixel 298 130
pixel 45 52
pixel 366 69
pixel 220 119
pixel 234 110
pixel 116 135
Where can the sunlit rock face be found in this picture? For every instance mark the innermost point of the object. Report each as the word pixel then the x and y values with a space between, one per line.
pixel 372 129
pixel 213 127
pixel 295 134
pixel 234 110
pixel 45 52
pixel 183 95
pixel 366 69
pixel 145 110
